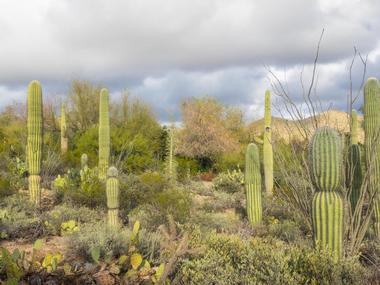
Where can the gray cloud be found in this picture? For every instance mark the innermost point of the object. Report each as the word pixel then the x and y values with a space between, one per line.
pixel 165 51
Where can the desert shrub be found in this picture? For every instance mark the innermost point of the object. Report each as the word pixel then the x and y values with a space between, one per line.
pixel 310 266
pixel 110 241
pixel 5 187
pixel 224 182
pixel 66 212
pixel 85 190
pixel 186 167
pixel 286 230
pixel 175 202
pixel 15 172
pixel 229 259
pixel 51 166
pixel 230 160
pixel 19 218
pixel 227 221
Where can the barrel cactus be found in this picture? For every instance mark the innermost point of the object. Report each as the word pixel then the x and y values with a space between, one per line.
pixel 253 184
pixel 354 176
pixel 104 134
pixel 34 140
pixel 267 146
pixel 372 143
pixel 113 196
pixel 64 139
pixel 327 208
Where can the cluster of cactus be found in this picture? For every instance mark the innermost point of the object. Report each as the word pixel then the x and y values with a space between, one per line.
pixel 372 143
pixel 325 155
pixel 253 184
pixel 64 139
pixel 112 191
pixel 35 140
pixel 170 161
pixel 104 134
pixel 354 176
pixel 267 146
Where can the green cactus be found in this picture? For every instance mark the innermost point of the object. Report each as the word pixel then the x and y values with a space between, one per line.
pixel 113 196
pixel 170 161
pixel 104 134
pixel 253 184
pixel 372 143
pixel 34 141
pixel 267 146
pixel 326 172
pixel 354 176
pixel 64 139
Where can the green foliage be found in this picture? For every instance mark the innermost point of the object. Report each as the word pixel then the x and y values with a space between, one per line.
pixel 229 259
pixel 175 202
pixel 110 242
pixel 69 227
pixel 226 183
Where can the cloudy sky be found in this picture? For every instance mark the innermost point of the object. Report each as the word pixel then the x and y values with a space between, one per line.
pixel 165 51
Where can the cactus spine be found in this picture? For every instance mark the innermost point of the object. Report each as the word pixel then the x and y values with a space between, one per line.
pixel 354 174
pixel 253 184
pixel 327 207
pixel 267 146
pixel 34 141
pixel 64 139
pixel 113 196
pixel 372 143
pixel 171 164
pixel 104 134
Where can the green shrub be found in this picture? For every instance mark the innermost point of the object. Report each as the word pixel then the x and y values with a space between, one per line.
pixel 225 183
pixel 5 187
pixel 287 230
pixel 110 241
pixel 174 202
pixel 19 219
pixel 66 212
pixel 229 259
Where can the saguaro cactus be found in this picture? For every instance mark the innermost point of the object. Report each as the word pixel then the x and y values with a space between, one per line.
pixel 326 172
pixel 64 139
pixel 267 146
pixel 104 134
pixel 171 164
pixel 354 176
pixel 113 196
pixel 372 142
pixel 34 141
pixel 253 184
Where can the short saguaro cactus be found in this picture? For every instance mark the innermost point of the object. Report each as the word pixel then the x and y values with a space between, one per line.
pixel 113 196
pixel 326 172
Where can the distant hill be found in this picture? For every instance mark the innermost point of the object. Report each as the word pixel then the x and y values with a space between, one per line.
pixel 290 129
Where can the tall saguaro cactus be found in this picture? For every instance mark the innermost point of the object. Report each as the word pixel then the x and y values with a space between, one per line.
pixel 34 140
pixel 253 184
pixel 327 207
pixel 104 134
pixel 354 176
pixel 171 164
pixel 267 146
pixel 112 196
pixel 372 142
pixel 64 139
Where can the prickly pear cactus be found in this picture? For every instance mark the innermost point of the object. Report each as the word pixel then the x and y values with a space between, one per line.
pixel 113 196
pixel 326 171
pixel 253 184
pixel 267 146
pixel 372 143
pixel 64 139
pixel 34 140
pixel 104 134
